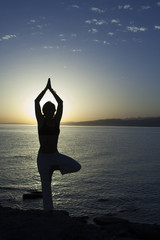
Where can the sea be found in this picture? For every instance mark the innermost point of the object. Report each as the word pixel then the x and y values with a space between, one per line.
pixel 120 174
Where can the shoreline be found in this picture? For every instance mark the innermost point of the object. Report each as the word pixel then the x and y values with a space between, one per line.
pixel 36 224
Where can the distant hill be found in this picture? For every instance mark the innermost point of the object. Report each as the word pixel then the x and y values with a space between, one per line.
pixel 132 122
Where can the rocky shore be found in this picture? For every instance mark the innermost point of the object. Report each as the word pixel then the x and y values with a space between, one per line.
pixel 18 224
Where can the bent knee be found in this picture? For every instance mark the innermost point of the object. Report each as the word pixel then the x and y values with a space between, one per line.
pixel 77 167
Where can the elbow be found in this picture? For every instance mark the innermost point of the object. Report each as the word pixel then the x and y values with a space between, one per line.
pixel 36 100
pixel 61 102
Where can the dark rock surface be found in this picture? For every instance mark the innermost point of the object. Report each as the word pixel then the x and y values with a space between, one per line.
pixel 38 225
pixel 117 228
pixel 18 224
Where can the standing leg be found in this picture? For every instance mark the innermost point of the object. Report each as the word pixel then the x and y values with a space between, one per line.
pixel 46 171
pixel 46 191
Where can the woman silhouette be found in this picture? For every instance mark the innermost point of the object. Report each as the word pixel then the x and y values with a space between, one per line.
pixel 49 159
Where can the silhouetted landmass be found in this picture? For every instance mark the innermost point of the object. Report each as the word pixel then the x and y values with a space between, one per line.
pixel 132 122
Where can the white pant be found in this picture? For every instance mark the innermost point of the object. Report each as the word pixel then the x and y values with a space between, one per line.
pixel 47 163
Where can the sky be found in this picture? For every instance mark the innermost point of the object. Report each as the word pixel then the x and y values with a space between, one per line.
pixel 103 58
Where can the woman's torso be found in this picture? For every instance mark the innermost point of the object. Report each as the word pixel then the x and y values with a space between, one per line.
pixel 48 133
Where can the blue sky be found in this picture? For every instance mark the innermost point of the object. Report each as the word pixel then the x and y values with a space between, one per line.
pixel 102 57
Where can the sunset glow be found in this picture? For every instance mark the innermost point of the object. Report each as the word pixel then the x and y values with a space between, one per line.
pixel 102 58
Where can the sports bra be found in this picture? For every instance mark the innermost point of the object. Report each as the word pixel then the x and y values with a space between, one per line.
pixel 49 130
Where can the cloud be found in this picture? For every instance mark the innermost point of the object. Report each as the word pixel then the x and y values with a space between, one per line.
pixel 93 30
pixel 7 37
pixel 96 22
pixel 94 9
pixel 125 7
pixel 76 50
pixel 73 35
pixel 136 29
pixel 48 47
pixel 120 6
pixel 157 27
pixel 158 4
pixel 114 21
pixel 145 7
pixel 36 33
pixel 32 21
pixel 75 6
pixel 111 33
pixel 96 40
pixel 63 39
pixel 105 42
pixel 100 22
pixel 88 21
pixel 40 26
pixel 37 23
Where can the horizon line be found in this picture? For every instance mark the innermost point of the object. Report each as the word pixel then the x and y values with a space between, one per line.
pixel 85 121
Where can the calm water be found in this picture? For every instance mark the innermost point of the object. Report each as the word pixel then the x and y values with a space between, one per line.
pixel 120 171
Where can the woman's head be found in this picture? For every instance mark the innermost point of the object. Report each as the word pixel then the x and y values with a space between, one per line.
pixel 49 109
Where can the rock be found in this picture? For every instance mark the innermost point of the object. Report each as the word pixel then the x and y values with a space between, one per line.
pixel 103 200
pixel 83 219
pixel 39 225
pixel 33 194
pixel 107 219
pixel 117 228
pixel 58 225
pixel 145 231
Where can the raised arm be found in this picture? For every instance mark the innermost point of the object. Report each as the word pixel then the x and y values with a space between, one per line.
pixel 59 112
pixel 38 112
